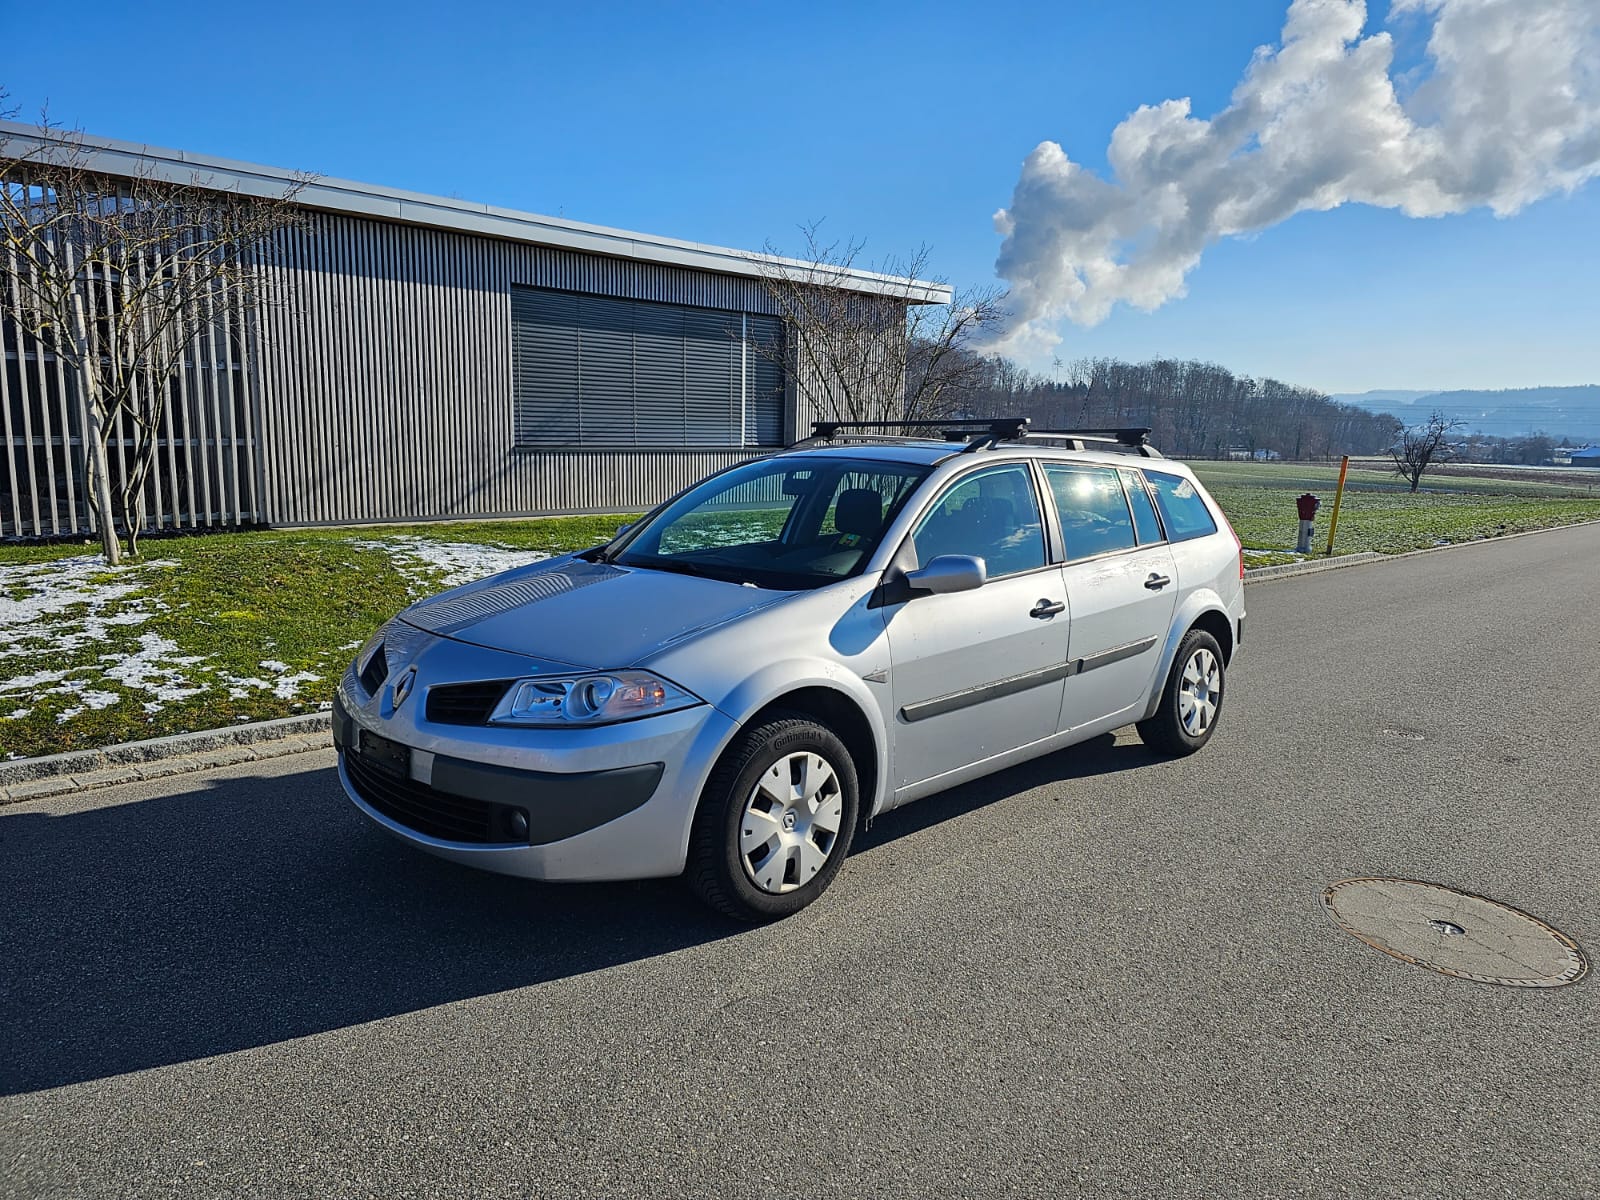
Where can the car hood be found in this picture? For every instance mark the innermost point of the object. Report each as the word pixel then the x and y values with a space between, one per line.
pixel 586 614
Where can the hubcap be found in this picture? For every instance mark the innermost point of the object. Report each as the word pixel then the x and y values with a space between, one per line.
pixel 1200 692
pixel 790 822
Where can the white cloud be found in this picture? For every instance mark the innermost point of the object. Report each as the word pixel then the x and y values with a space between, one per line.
pixel 1506 110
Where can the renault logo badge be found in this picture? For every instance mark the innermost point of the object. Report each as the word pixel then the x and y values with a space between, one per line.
pixel 403 686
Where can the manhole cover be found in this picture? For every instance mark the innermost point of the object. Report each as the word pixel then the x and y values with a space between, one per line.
pixel 1454 933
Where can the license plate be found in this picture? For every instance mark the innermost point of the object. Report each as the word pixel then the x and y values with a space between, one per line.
pixel 389 757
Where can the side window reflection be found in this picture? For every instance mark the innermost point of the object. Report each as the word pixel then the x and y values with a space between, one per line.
pixel 1093 510
pixel 992 515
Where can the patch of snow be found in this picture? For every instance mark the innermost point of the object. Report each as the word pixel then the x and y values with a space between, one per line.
pixel 91 700
pixel 27 683
pixel 40 603
pixel 285 688
pixel 456 562
pixel 156 668
pixel 18 714
pixel 273 665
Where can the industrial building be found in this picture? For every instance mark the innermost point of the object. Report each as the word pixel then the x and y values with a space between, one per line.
pixel 432 359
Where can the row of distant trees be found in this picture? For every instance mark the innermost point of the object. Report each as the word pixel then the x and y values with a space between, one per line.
pixel 1193 409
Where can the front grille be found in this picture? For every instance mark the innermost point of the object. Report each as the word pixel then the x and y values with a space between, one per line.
pixel 465 703
pixel 429 811
pixel 376 671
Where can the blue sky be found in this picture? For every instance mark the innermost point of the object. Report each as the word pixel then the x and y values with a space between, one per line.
pixel 898 124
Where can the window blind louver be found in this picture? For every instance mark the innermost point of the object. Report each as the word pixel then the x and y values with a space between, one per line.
pixel 598 372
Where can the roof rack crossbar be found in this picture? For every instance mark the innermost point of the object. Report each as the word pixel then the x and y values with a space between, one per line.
pixel 831 429
pixel 979 433
pixel 1134 438
pixel 1137 436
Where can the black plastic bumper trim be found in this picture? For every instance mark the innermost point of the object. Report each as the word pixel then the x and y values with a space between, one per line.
pixel 559 805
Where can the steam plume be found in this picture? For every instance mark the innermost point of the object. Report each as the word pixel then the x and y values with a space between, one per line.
pixel 1507 110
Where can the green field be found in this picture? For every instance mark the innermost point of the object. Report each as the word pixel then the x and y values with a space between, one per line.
pixel 206 631
pixel 1378 512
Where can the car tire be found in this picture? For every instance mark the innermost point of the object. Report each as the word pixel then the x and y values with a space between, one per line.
pixel 775 821
pixel 1191 700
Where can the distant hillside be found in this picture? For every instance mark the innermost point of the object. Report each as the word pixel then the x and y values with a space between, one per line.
pixel 1571 412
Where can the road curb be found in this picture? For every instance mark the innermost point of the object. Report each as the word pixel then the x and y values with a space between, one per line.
pixel 1284 570
pixel 130 762
pixel 1255 574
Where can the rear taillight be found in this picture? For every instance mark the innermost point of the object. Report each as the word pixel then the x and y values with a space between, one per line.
pixel 1237 543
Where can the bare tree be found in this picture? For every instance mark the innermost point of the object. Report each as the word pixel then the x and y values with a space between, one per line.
pixel 119 277
pixel 1420 446
pixel 883 355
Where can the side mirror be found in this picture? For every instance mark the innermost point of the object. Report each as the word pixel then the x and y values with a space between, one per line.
pixel 622 529
pixel 950 573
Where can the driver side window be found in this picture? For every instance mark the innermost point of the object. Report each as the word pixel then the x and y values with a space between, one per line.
pixel 991 514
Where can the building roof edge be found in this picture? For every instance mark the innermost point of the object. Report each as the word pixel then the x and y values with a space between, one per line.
pixel 440 212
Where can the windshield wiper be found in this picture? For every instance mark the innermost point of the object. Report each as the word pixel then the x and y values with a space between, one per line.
pixel 682 567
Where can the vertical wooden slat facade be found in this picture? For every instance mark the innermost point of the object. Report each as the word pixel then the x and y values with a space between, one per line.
pixel 377 387
pixel 205 433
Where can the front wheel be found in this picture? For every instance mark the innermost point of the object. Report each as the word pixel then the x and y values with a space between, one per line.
pixel 1191 700
pixel 776 820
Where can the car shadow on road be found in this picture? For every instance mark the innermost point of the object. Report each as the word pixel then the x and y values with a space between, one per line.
pixel 236 913
pixel 1102 755
pixel 240 912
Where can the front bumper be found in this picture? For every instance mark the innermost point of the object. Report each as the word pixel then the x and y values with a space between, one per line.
pixel 609 802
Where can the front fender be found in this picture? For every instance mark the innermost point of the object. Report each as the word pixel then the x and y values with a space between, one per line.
pixel 776 680
pixel 1198 602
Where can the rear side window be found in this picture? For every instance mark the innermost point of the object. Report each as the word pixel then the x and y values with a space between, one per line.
pixel 1094 512
pixel 1144 509
pixel 1184 512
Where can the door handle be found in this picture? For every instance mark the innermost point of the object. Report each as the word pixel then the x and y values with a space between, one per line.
pixel 1047 608
pixel 1156 582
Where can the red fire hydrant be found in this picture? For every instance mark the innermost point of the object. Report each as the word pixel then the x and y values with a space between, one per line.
pixel 1307 504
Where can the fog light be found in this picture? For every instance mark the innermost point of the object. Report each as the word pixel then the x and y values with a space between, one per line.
pixel 518 821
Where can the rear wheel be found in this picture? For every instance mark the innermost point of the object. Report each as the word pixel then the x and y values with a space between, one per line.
pixel 1191 700
pixel 776 820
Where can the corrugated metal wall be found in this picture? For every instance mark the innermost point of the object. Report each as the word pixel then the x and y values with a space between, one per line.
pixel 387 378
pixel 379 389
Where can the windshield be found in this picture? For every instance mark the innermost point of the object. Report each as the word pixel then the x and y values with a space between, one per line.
pixel 784 523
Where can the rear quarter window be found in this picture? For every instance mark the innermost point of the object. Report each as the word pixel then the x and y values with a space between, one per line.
pixel 1182 508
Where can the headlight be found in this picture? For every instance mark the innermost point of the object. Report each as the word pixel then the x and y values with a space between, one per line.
pixel 598 699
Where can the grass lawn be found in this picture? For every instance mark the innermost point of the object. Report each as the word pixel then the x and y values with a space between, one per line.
pixel 207 631
pixel 1380 514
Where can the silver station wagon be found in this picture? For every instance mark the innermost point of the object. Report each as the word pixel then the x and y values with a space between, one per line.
pixel 763 665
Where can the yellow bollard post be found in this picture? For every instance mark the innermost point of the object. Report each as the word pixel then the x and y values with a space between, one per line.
pixel 1333 524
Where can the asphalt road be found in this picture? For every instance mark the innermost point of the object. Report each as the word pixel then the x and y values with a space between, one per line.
pixel 1099 974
